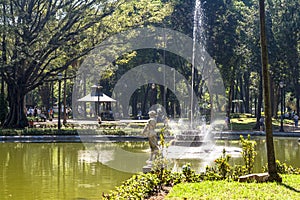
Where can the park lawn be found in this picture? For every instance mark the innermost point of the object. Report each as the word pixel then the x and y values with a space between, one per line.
pixel 243 123
pixel 288 189
pixel 248 123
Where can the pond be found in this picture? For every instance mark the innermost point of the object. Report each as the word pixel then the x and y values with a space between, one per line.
pixel 77 171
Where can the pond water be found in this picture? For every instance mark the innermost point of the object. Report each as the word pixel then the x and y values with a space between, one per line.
pixel 77 171
pixel 287 150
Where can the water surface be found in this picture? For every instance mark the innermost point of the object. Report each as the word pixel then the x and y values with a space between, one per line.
pixel 54 171
pixel 76 171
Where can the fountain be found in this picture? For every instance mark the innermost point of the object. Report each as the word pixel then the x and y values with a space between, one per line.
pixel 191 136
pixel 194 139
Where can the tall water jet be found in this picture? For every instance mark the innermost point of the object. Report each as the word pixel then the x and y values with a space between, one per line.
pixel 196 133
pixel 194 139
pixel 197 26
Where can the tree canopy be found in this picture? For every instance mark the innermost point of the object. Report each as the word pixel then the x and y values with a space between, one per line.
pixel 41 38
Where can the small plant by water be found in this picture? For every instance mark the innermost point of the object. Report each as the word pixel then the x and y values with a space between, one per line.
pixel 248 153
pixel 283 168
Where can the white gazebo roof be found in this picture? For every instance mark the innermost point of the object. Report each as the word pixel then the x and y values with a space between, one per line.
pixel 102 98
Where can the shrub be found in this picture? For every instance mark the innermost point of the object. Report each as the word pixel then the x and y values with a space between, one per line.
pixel 137 187
pixel 283 168
pixel 189 175
pixel 248 153
pixel 222 169
pixel 116 131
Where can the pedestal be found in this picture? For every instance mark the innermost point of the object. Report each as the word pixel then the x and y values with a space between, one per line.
pixel 147 168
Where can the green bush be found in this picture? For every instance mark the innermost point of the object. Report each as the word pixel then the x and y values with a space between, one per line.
pixel 116 131
pixel 248 153
pixel 172 178
pixel 283 168
pixel 221 171
pixel 139 186
pixel 189 175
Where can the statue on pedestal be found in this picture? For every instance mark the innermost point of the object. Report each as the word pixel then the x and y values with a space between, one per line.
pixel 149 131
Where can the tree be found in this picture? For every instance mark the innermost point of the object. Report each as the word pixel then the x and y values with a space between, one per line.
pixel 285 28
pixel 273 175
pixel 3 108
pixel 44 37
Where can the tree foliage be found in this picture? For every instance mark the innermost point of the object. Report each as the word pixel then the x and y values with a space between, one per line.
pixel 41 38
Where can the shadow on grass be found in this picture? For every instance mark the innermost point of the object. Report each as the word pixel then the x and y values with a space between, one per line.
pixel 243 126
pixel 289 187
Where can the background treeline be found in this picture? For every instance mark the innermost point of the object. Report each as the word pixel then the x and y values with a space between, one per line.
pixel 41 38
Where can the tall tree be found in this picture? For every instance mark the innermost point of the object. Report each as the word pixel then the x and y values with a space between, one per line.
pixel 273 175
pixel 44 37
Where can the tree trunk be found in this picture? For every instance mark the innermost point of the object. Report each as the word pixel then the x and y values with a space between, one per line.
pixel 246 89
pixel 229 99
pixel 259 102
pixel 162 89
pixel 236 97
pixel 65 98
pixel 167 108
pixel 134 102
pixel 241 104
pixel 273 175
pixel 145 100
pixel 297 98
pixel 272 96
pixel 45 93
pixel 84 94
pixel 16 117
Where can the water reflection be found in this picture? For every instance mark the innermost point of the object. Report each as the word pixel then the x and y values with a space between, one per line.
pixel 126 157
pixel 286 149
pixel 76 171
pixel 53 171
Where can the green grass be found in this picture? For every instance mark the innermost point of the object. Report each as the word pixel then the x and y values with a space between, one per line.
pixel 246 123
pixel 288 189
pixel 243 123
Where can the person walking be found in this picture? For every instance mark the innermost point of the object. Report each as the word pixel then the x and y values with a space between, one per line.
pixel 262 124
pixel 296 119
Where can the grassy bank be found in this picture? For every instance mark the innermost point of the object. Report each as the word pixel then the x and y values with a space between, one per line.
pixel 246 122
pixel 239 123
pixel 288 189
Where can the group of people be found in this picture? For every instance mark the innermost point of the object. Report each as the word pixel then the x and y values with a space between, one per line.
pixel 43 113
pixel 36 112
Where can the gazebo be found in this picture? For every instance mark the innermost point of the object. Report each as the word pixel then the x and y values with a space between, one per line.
pixel 99 99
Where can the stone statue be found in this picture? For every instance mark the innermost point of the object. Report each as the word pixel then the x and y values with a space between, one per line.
pixel 149 131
